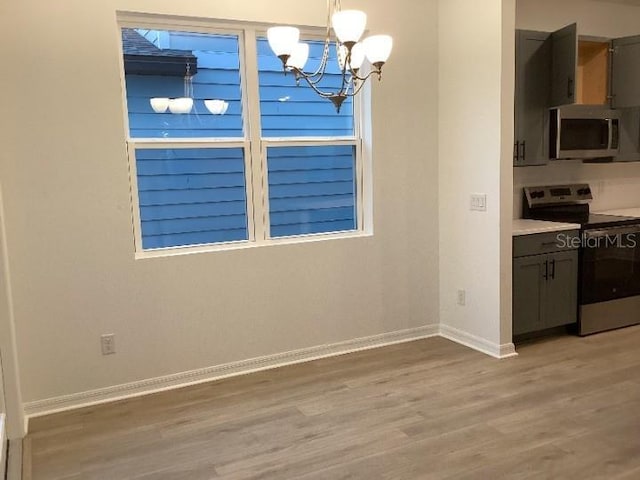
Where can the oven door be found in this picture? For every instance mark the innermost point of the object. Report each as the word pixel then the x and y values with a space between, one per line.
pixel 610 264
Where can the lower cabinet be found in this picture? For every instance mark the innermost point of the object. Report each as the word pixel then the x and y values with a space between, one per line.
pixel 545 291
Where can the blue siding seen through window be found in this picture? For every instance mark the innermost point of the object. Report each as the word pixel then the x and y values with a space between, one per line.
pixel 218 77
pixel 191 196
pixel 288 110
pixel 311 189
pixel 197 195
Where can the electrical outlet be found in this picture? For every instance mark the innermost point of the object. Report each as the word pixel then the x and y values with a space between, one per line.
pixel 479 202
pixel 108 343
pixel 462 297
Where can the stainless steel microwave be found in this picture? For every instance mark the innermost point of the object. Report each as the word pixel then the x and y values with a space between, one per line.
pixel 583 131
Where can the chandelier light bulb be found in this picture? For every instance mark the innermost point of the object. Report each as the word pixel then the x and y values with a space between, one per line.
pixel 283 40
pixel 299 56
pixel 159 104
pixel 349 25
pixel 377 49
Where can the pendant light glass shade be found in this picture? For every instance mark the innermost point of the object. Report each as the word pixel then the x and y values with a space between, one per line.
pixel 159 104
pixel 283 40
pixel 180 105
pixel 378 48
pixel 216 107
pixel 349 25
pixel 299 56
pixel 357 56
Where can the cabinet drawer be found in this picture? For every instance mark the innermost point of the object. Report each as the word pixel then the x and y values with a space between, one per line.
pixel 535 244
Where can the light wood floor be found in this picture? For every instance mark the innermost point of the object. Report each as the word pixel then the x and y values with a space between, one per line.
pixel 566 408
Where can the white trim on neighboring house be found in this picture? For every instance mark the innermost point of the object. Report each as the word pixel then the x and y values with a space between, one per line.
pixel 193 377
pixel 477 343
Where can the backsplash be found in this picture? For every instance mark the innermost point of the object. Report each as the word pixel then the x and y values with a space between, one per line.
pixel 614 185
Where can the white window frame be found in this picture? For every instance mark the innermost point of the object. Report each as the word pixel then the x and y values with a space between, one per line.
pixel 253 144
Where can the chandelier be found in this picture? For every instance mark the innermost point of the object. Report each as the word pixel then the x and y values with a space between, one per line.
pixel 184 104
pixel 349 26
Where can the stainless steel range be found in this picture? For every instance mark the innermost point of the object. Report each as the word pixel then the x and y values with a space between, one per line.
pixel 609 267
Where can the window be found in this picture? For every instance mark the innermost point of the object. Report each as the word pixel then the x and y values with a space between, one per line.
pixel 277 162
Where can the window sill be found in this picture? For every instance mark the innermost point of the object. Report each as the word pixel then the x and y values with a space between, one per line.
pixel 224 247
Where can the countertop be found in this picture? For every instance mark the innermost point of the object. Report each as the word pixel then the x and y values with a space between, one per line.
pixel 623 212
pixel 529 227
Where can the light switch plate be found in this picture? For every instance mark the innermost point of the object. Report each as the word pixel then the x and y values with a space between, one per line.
pixel 479 202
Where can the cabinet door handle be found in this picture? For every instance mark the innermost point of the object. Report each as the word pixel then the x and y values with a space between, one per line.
pixel 546 269
pixel 516 152
pixel 553 269
pixel 569 87
pixel 523 154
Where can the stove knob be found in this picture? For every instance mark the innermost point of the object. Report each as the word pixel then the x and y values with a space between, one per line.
pixel 537 194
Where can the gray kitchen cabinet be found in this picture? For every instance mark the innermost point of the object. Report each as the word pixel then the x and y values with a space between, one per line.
pixel 528 294
pixel 545 285
pixel 561 300
pixel 625 72
pixel 560 68
pixel 629 135
pixel 594 72
pixel 533 88
pixel 564 65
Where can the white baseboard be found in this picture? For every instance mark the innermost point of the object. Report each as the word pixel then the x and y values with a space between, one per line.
pixel 477 343
pixel 193 377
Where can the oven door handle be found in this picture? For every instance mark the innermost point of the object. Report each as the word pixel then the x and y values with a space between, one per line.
pixel 612 231
pixel 553 269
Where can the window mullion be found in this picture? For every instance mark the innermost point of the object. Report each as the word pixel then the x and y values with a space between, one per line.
pixel 251 99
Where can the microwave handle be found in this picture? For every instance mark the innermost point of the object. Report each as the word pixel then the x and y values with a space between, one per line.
pixel 558 131
pixel 614 133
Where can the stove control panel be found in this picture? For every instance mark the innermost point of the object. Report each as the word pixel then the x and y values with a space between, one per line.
pixel 556 194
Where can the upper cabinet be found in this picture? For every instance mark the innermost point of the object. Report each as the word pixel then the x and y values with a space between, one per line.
pixel 533 88
pixel 562 68
pixel 564 65
pixel 625 72
pixel 594 72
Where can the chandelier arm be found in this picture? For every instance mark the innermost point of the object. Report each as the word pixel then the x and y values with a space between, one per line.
pixel 344 87
pixel 312 84
pixel 362 81
pixel 343 91
pixel 366 77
